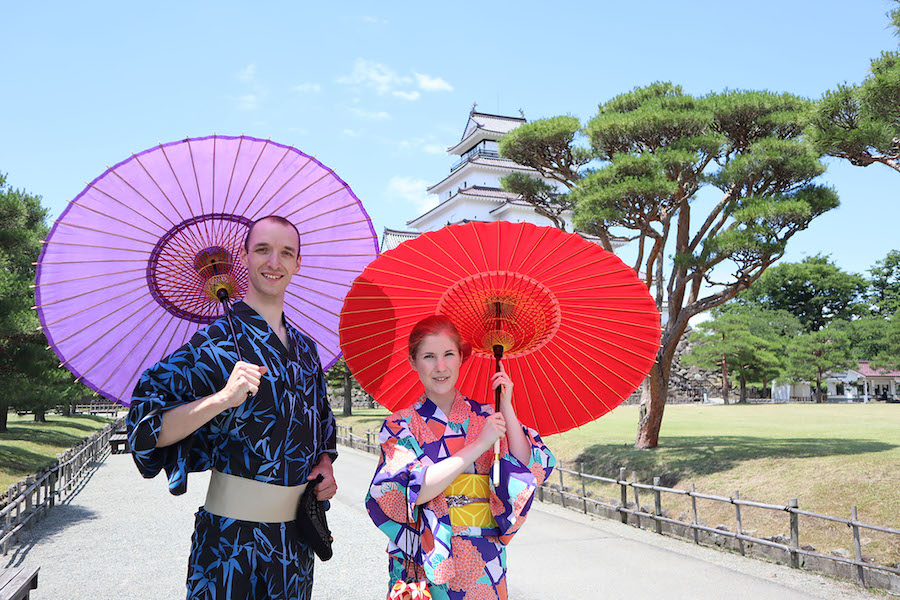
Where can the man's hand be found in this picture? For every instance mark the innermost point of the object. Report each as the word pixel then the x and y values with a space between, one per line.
pixel 327 488
pixel 243 383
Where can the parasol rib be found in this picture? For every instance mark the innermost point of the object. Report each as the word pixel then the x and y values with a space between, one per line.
pixel 265 181
pixel 237 154
pixel 78 312
pixel 129 382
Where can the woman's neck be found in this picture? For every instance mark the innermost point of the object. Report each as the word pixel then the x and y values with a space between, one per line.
pixel 443 403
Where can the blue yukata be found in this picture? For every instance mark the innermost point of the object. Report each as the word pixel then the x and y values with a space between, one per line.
pixel 459 537
pixel 276 437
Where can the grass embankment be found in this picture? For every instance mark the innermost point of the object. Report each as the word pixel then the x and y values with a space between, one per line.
pixel 829 457
pixel 27 447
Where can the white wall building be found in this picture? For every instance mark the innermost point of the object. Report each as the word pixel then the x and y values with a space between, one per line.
pixel 472 191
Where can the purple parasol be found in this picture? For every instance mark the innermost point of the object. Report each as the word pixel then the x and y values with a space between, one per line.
pixel 129 271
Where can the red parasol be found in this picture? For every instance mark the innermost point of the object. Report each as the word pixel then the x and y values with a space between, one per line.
pixel 579 330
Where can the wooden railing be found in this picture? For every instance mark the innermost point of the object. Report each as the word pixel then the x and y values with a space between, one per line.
pixel 576 497
pixel 29 500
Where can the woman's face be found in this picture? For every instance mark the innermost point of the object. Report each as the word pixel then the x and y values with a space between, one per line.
pixel 437 362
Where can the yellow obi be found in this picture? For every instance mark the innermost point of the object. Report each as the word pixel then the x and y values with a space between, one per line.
pixel 468 499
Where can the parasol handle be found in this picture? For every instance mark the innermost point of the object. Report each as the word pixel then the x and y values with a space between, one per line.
pixel 222 295
pixel 495 469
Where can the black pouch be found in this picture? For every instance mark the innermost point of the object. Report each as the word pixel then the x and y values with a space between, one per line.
pixel 311 522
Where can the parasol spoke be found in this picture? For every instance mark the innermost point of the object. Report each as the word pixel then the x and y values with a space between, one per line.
pixel 314 291
pixel 582 266
pixel 278 191
pixel 527 361
pixel 309 318
pixel 129 381
pixel 106 215
pixel 120 339
pixel 314 200
pixel 100 231
pixel 49 283
pixel 197 184
pixel 265 181
pixel 95 339
pixel 417 275
pixel 399 286
pixel 350 204
pixel 575 349
pixel 337 240
pixel 44 305
pixel 653 327
pixel 563 359
pixel 249 177
pixel 87 308
pixel 571 329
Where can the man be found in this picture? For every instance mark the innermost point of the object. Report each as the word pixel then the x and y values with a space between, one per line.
pixel 262 425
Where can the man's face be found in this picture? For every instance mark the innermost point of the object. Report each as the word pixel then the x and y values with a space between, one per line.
pixel 273 257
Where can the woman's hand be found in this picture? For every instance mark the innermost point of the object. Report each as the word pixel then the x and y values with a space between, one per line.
pixel 501 379
pixel 494 429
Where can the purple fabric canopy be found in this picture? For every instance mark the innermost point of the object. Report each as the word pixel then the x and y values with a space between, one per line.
pixel 129 271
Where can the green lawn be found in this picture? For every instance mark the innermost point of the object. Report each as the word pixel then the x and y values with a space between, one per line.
pixel 828 456
pixel 27 447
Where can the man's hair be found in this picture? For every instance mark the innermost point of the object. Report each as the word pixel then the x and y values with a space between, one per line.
pixel 277 219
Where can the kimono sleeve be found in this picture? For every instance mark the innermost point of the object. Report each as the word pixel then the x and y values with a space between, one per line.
pixel 511 500
pixel 326 418
pixel 391 499
pixel 172 382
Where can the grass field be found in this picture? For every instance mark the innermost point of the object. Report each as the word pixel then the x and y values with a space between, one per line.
pixel 27 447
pixel 827 456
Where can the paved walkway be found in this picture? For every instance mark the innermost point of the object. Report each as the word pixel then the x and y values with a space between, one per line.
pixel 126 538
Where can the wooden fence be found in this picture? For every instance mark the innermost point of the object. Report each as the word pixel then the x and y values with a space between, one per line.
pixel 574 495
pixel 29 500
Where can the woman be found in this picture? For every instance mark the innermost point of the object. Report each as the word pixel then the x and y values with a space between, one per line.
pixel 433 477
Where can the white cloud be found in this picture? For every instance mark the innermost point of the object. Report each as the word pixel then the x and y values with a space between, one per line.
pixel 411 190
pixel 307 88
pixel 371 115
pixel 247 74
pixel 434 149
pixel 371 19
pixel 248 102
pixel 350 133
pixel 385 80
pixel 432 84
pixel 373 75
pixel 414 95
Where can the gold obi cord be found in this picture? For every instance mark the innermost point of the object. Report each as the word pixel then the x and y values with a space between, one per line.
pixel 468 499
pixel 250 500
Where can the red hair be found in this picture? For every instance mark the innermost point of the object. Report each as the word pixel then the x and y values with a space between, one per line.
pixel 435 325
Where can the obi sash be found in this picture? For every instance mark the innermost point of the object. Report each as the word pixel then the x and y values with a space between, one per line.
pixel 468 499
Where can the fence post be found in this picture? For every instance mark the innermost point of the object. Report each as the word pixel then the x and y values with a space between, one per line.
pixel 28 503
pixel 740 529
pixel 562 494
pixel 637 500
pixel 583 492
pixel 350 436
pixel 53 475
pixel 795 535
pixel 860 575
pixel 657 508
pixel 623 494
pixel 696 517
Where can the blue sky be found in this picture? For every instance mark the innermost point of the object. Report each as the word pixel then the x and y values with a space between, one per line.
pixel 378 91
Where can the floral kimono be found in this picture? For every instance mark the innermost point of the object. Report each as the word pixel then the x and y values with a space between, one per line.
pixel 463 554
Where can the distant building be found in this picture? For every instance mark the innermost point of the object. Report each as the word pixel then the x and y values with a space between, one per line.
pixel 472 191
pixel 860 383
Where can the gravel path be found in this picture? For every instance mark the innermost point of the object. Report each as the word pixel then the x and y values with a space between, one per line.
pixel 124 537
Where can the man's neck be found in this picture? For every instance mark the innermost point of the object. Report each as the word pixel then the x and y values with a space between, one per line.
pixel 269 309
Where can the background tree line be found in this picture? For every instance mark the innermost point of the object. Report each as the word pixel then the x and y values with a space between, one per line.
pixel 802 320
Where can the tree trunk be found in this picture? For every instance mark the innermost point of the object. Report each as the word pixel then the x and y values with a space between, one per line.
pixel 39 416
pixel 653 403
pixel 724 378
pixel 818 388
pixel 743 397
pixel 4 409
pixel 348 395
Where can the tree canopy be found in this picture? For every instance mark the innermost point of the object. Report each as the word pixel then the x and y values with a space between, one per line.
pixel 861 123
pixel 656 147
pixel 815 290
pixel 31 378
pixel 747 341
